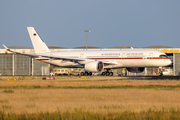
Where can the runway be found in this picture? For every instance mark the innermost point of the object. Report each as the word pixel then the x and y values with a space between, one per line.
pixel 154 77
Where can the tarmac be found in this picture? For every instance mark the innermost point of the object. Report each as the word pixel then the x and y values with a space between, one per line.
pixel 154 78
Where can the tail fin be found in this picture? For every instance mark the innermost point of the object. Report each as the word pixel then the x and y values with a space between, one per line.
pixel 38 44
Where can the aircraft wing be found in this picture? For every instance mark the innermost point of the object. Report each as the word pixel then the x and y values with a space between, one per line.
pixel 106 62
pixel 76 60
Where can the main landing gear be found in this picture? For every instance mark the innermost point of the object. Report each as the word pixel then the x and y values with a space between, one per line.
pixel 86 73
pixel 107 73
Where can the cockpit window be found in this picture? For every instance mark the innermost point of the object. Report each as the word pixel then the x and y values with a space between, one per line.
pixel 163 56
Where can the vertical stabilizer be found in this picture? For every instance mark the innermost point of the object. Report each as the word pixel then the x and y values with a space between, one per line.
pixel 38 44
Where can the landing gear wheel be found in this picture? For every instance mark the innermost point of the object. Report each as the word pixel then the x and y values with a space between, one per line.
pixel 90 73
pixel 86 74
pixel 103 74
pixel 82 73
pixel 111 74
pixel 107 74
pixel 160 73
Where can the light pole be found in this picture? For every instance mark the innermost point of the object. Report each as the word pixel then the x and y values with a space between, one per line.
pixel 86 36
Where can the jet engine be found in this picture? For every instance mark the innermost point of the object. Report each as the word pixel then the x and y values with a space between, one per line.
pixel 94 66
pixel 136 69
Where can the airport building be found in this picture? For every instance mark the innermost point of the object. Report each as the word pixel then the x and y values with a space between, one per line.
pixel 15 64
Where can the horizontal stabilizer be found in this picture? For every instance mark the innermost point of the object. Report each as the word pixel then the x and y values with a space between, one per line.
pixel 6 48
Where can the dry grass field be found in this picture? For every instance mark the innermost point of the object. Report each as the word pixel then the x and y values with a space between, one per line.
pixel 100 95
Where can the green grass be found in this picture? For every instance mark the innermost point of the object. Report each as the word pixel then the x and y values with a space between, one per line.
pixel 78 114
pixel 92 87
pixel 8 91
pixel 6 107
pixel 4 101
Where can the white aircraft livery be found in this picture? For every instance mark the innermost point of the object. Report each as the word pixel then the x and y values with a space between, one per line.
pixel 96 61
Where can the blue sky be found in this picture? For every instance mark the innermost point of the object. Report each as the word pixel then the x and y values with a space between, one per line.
pixel 137 23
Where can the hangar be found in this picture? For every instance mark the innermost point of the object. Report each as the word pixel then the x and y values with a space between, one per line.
pixel 14 64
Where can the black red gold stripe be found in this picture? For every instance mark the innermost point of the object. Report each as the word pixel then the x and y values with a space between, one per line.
pixel 110 59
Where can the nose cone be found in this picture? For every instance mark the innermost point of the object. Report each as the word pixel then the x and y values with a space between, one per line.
pixel 168 62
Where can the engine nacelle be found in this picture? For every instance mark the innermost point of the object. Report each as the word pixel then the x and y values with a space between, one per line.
pixel 136 69
pixel 94 66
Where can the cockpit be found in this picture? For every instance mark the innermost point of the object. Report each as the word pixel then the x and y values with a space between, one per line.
pixel 163 56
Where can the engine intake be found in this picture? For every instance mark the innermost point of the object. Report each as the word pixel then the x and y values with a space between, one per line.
pixel 136 69
pixel 94 66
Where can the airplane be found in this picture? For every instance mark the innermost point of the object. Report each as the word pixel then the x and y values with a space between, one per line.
pixel 96 61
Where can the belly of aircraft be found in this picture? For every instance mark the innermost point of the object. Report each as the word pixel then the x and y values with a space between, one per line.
pixel 143 63
pixel 120 63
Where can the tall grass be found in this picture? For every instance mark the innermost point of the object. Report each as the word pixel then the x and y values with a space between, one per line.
pixel 78 114
pixel 101 98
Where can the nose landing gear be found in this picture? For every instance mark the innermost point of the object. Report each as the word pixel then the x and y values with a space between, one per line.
pixel 160 71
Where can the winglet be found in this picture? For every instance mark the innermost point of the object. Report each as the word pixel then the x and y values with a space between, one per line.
pixel 6 48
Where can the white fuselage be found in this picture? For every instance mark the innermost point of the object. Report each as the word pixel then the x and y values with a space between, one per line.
pixel 118 58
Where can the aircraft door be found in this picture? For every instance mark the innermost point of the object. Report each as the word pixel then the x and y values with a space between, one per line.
pixel 150 56
pixel 123 56
pixel 81 55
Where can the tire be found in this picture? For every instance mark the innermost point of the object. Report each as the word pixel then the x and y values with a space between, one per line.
pixel 90 73
pixel 160 74
pixel 86 74
pixel 107 74
pixel 103 74
pixel 82 73
pixel 111 74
